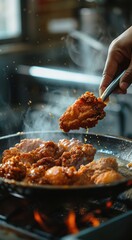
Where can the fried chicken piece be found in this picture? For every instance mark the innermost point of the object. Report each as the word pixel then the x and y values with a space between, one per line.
pixel 28 145
pixel 66 144
pixel 66 176
pixel 108 176
pixel 75 153
pixel 13 169
pixel 23 150
pixel 83 113
pixel 83 176
pixel 32 150
pixel 61 175
pixel 104 163
pixel 36 172
pixel 78 155
pixel 102 171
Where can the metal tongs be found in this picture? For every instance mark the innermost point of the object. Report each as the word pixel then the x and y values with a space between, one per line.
pixel 111 87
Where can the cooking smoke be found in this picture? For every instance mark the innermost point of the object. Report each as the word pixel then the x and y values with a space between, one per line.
pixel 44 117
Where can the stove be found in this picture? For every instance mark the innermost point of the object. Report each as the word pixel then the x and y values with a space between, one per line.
pixel 35 219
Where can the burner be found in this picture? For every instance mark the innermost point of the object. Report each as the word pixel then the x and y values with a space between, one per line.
pixel 37 220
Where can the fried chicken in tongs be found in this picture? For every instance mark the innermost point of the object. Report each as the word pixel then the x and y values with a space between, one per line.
pixel 83 113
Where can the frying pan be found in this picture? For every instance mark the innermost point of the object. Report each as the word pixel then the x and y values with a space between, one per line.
pixel 106 145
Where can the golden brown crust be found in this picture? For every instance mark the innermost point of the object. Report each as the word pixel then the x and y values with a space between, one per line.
pixel 68 162
pixel 83 113
pixel 30 159
pixel 108 176
pixel 102 171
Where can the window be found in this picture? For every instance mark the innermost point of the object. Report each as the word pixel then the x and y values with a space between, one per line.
pixel 10 19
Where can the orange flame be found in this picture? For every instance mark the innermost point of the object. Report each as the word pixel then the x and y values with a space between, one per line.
pixel 40 220
pixel 109 204
pixel 71 223
pixel 92 219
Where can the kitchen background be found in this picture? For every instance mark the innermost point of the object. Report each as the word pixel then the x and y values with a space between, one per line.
pixel 52 51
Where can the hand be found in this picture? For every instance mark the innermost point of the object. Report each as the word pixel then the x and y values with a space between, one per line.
pixel 119 58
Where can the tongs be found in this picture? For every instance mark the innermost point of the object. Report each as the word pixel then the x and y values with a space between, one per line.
pixel 111 87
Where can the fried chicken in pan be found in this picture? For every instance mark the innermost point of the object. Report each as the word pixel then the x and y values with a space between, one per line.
pixel 31 150
pixel 108 176
pixel 77 153
pixel 31 158
pixel 102 171
pixel 61 175
pixel 66 162
pixel 83 113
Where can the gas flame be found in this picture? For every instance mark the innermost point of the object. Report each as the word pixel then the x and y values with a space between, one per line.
pixel 41 219
pixel 92 219
pixel 71 223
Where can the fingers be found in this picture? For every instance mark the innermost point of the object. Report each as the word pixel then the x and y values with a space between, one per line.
pixel 118 59
pixel 110 70
pixel 126 80
pixel 106 80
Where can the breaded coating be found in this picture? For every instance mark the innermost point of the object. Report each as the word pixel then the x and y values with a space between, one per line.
pixel 76 153
pixel 83 113
pixel 61 175
pixel 108 177
pixel 31 158
pixel 66 162
pixel 102 171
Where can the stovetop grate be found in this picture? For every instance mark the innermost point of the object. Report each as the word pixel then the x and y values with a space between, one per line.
pixel 17 217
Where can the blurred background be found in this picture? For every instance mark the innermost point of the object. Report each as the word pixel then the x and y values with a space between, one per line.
pixel 51 52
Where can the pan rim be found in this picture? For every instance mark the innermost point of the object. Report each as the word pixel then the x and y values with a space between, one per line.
pixel 67 133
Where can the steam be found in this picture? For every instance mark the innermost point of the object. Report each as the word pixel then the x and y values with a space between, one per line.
pixel 44 117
